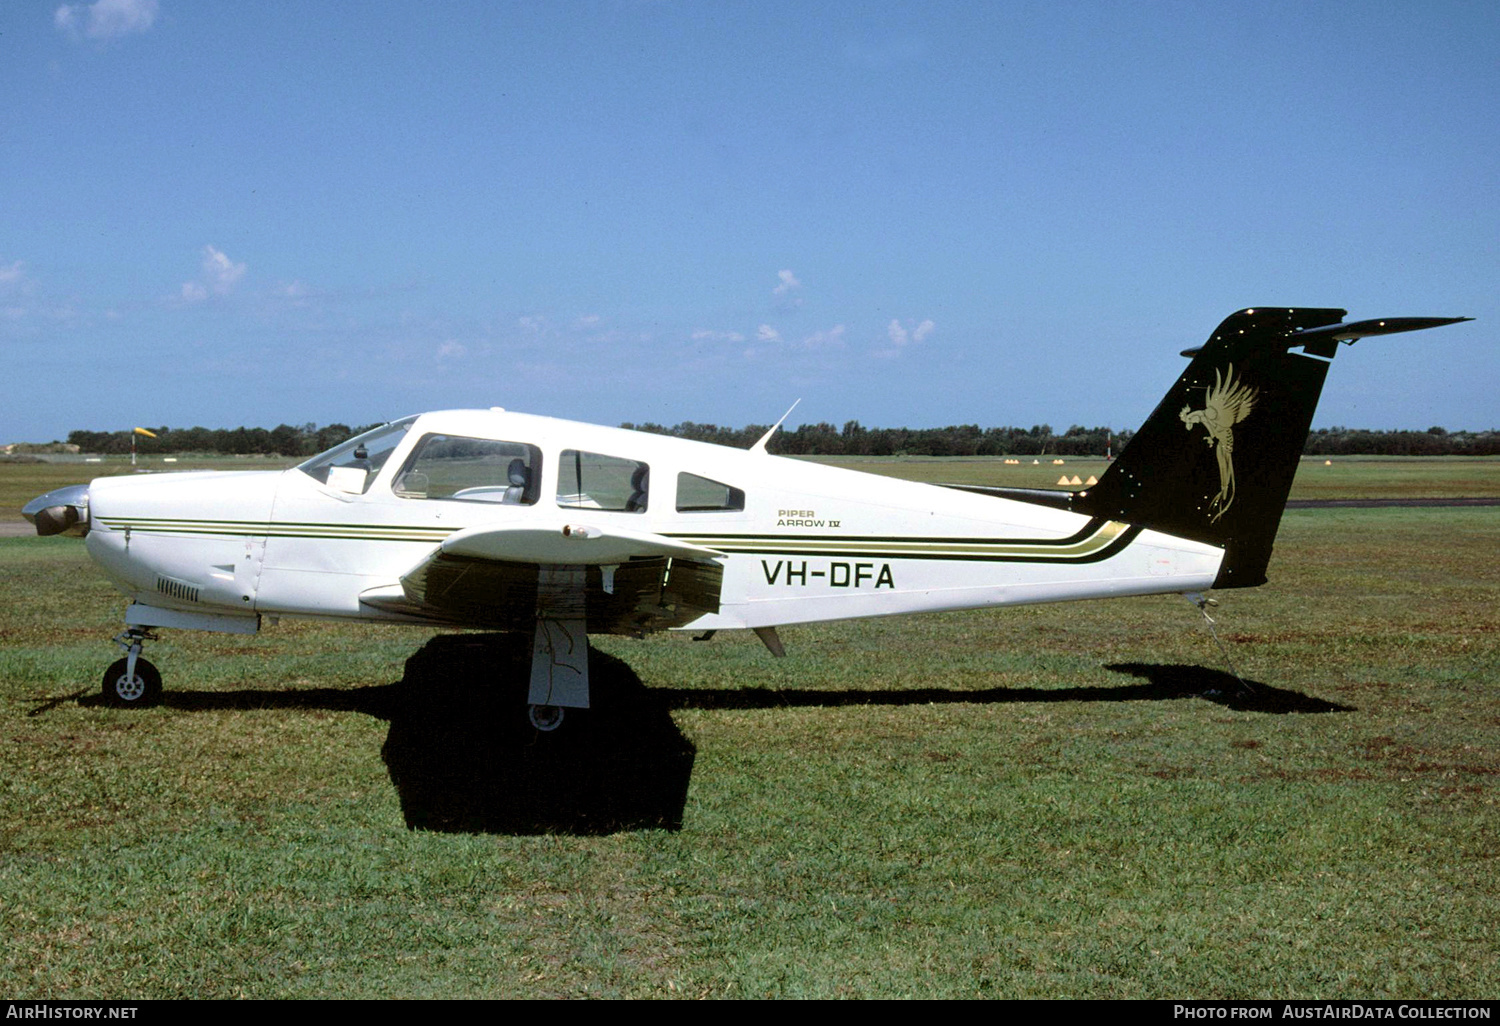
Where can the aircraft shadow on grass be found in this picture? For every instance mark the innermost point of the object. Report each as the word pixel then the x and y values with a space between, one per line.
pixel 464 758
pixel 1164 682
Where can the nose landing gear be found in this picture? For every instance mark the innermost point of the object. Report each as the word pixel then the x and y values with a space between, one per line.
pixel 132 682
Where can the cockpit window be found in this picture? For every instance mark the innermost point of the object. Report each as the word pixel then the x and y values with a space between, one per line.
pixel 587 480
pixel 471 469
pixel 700 495
pixel 352 466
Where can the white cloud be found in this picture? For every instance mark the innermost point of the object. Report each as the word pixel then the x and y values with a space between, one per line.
pixel 106 19
pixel 532 323
pixel 587 321
pixel 218 278
pixel 617 337
pixel 766 333
pixel 717 336
pixel 900 334
pixel 788 283
pixel 832 338
pixel 220 272
pixel 451 350
pixel 19 290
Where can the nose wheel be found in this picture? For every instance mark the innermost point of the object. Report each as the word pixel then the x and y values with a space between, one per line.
pixel 545 717
pixel 132 682
pixel 125 689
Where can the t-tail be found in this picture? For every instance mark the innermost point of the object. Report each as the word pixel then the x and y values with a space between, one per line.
pixel 1215 460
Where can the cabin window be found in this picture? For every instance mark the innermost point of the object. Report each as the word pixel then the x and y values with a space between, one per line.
pixel 589 480
pixel 471 470
pixel 353 465
pixel 700 495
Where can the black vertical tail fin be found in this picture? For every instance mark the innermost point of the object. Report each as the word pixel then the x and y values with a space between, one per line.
pixel 1214 462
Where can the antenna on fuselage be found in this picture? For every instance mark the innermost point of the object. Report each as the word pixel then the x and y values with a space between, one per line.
pixel 760 446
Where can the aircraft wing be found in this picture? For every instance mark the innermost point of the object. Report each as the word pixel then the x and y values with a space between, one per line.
pixel 566 544
pixel 506 576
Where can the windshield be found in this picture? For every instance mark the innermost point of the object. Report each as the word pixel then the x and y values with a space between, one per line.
pixel 352 466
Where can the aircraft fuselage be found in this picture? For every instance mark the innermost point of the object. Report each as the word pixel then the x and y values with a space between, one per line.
pixel 797 541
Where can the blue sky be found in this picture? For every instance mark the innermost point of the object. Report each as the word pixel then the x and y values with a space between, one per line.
pixel 906 214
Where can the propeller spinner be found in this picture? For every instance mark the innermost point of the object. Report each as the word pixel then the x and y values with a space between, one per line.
pixel 60 511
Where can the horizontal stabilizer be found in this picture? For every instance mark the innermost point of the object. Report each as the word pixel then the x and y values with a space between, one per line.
pixel 1319 340
pixel 1384 326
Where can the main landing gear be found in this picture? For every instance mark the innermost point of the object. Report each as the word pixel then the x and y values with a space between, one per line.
pixel 545 718
pixel 132 682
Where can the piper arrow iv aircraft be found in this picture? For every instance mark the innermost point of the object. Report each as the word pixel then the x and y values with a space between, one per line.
pixel 553 529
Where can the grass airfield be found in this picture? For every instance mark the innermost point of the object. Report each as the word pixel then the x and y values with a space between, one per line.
pixel 1040 802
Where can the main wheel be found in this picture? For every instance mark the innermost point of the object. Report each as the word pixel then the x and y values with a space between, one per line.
pixel 132 692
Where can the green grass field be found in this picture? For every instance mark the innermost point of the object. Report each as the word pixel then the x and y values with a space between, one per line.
pixel 1038 802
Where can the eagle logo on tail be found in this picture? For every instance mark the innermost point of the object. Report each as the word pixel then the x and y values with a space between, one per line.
pixel 1227 403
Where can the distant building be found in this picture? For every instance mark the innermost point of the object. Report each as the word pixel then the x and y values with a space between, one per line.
pixel 39 448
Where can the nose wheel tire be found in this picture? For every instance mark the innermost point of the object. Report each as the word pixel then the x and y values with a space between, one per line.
pixel 126 691
pixel 545 717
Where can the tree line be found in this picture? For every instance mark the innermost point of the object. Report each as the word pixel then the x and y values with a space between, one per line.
pixel 853 439
pixel 1435 441
pixel 857 440
pixel 282 440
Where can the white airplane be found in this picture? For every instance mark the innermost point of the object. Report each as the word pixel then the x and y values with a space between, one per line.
pixel 554 529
